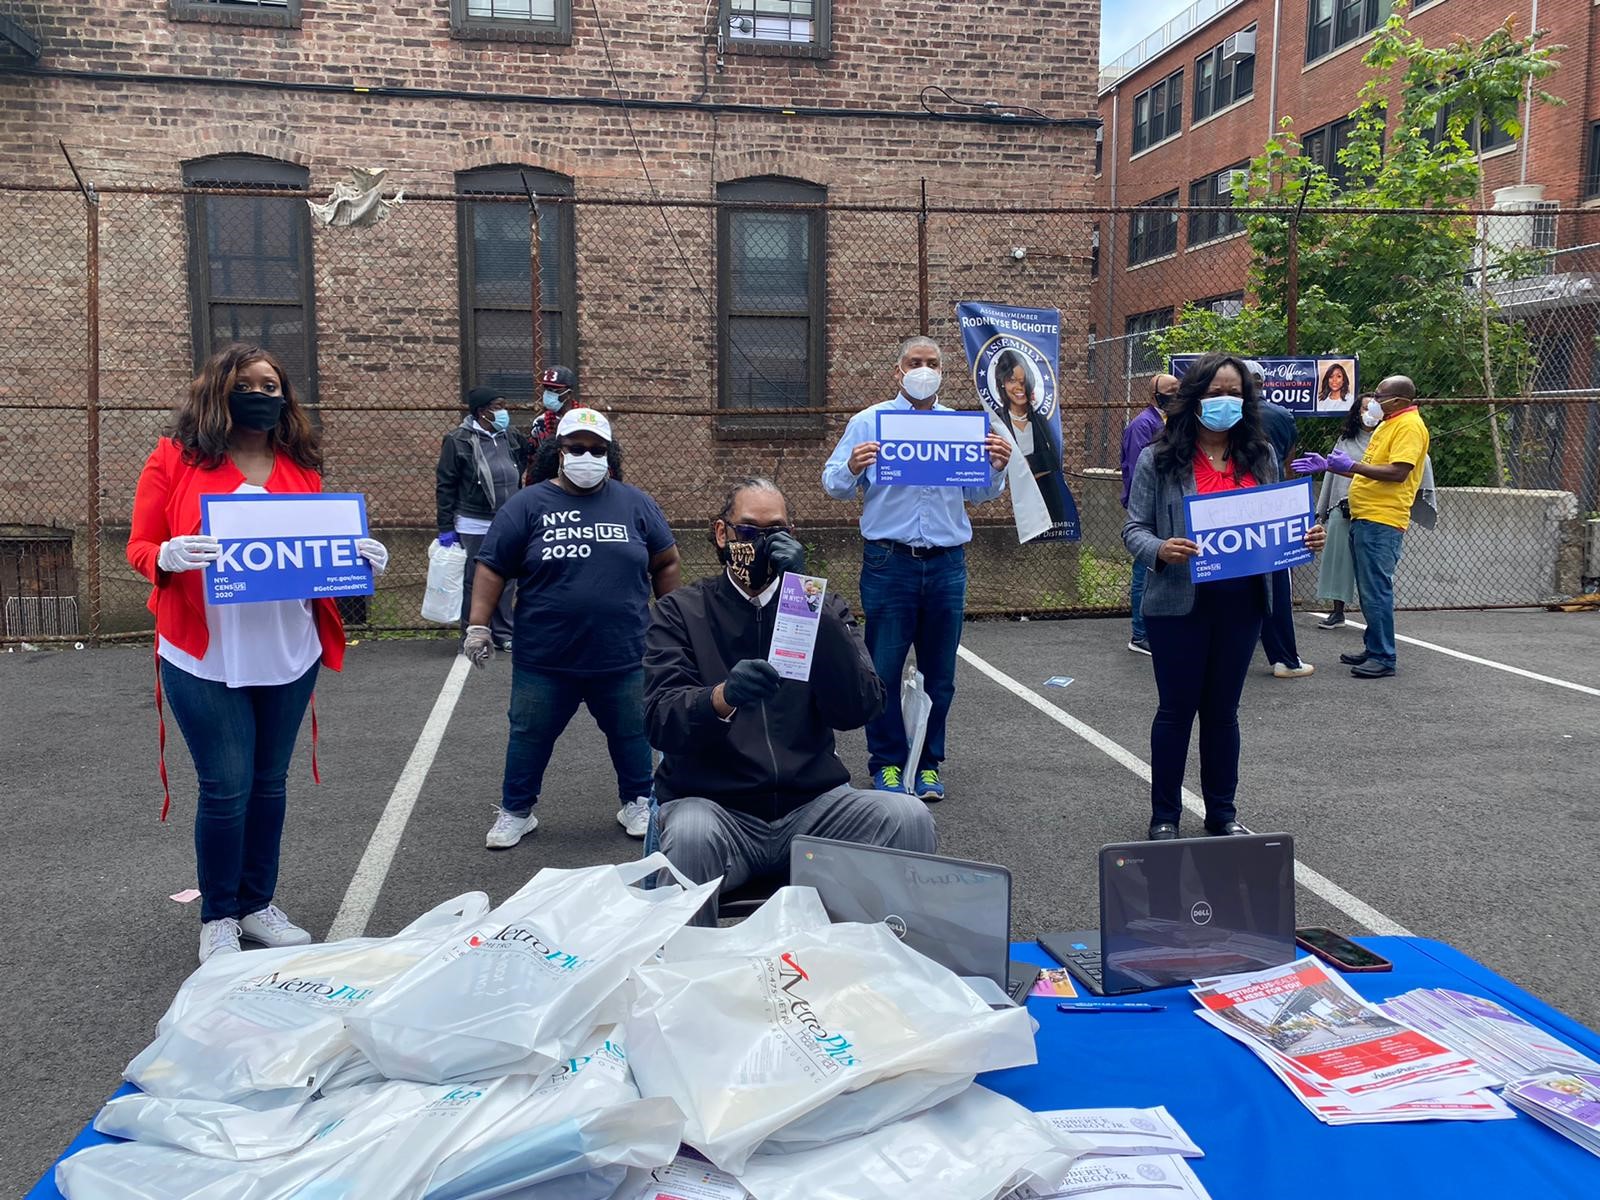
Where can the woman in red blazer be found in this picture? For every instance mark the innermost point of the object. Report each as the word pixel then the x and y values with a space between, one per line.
pixel 237 677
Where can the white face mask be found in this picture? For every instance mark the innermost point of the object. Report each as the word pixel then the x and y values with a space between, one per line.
pixel 1372 415
pixel 921 382
pixel 584 470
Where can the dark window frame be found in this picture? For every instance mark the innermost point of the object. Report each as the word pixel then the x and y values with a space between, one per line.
pixel 253 172
pixel 1147 243
pixel 1162 119
pixel 820 45
pixel 1211 302
pixel 233 12
pixel 1207 227
pixel 1499 139
pixel 1213 90
pixel 506 179
pixel 768 193
pixel 1591 179
pixel 466 27
pixel 1322 145
pixel 1347 22
pixel 1151 321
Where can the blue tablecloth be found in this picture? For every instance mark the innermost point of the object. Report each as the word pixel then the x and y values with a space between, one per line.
pixel 1259 1142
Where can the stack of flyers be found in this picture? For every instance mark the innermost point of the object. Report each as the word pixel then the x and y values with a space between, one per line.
pixel 1114 1131
pixel 1566 1101
pixel 1498 1040
pixel 1347 1061
pixel 1147 1177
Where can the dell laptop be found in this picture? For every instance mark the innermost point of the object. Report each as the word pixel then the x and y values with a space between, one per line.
pixel 957 913
pixel 1184 909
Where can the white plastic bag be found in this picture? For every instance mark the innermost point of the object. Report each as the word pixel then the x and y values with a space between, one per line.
pixel 447 567
pixel 751 1045
pixel 256 1127
pixel 274 1020
pixel 976 1146
pixel 916 706
pixel 517 992
pixel 788 910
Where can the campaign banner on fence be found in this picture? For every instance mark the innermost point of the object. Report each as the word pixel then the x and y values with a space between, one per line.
pixel 1013 353
pixel 936 448
pixel 1249 531
pixel 1307 387
pixel 285 546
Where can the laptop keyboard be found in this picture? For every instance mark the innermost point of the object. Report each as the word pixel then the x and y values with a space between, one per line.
pixel 1085 958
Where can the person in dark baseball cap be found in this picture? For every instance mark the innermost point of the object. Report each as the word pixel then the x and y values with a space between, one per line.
pixel 556 384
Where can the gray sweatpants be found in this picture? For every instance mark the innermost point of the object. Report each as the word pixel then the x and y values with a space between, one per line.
pixel 703 839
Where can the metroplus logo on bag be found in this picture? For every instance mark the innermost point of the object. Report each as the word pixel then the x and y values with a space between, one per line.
pixel 529 940
pixel 791 979
pixel 324 992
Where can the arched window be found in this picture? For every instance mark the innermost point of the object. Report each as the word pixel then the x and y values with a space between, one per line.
pixel 250 277
pixel 770 286
pixel 496 267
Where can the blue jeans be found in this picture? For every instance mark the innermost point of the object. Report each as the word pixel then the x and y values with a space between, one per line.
pixel 241 740
pixel 1201 660
pixel 1277 626
pixel 1136 599
pixel 542 702
pixel 1376 549
pixel 912 602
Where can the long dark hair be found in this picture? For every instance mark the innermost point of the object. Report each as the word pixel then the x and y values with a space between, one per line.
pixel 202 424
pixel 1044 442
pixel 1248 448
pixel 1327 388
pixel 547 462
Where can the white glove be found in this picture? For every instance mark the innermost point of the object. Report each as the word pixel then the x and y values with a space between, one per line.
pixel 478 645
pixel 375 552
pixel 188 553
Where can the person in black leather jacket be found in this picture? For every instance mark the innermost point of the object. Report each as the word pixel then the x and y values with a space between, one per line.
pixel 747 757
pixel 481 465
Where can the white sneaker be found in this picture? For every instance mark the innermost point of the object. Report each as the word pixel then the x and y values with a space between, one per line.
pixel 219 937
pixel 1285 671
pixel 634 816
pixel 509 829
pixel 273 929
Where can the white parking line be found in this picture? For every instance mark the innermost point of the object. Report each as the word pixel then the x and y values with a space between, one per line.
pixel 1482 662
pixel 1356 909
pixel 355 910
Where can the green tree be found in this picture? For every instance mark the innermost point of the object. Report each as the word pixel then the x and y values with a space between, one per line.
pixel 1408 292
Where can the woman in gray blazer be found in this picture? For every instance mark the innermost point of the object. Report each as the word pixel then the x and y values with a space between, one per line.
pixel 1202 636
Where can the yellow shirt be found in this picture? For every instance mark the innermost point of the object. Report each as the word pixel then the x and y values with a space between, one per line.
pixel 1400 438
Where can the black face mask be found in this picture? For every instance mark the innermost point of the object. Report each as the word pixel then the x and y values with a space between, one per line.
pixel 749 563
pixel 255 410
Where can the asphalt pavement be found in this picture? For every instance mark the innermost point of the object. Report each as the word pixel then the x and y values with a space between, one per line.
pixel 1458 801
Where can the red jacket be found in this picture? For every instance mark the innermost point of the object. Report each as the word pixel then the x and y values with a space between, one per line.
pixel 166 505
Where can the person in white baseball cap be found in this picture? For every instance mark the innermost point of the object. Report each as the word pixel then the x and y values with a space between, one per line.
pixel 587 552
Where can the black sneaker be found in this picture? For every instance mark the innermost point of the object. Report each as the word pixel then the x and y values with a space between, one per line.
pixel 1139 646
pixel 1353 660
pixel 1331 621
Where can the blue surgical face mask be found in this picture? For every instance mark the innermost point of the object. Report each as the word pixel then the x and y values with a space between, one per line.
pixel 502 420
pixel 552 402
pixel 1221 413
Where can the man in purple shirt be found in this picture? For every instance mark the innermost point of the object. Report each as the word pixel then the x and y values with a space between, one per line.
pixel 1141 431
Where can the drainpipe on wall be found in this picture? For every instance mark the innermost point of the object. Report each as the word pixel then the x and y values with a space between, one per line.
pixel 1272 89
pixel 1527 102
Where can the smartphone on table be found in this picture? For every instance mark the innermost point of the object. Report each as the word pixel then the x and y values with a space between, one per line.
pixel 1340 951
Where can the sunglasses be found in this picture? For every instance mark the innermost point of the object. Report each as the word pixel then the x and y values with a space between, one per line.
pixel 749 533
pixel 577 451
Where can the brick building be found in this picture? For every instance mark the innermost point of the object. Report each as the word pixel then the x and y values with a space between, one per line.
pixel 706 324
pixel 1200 98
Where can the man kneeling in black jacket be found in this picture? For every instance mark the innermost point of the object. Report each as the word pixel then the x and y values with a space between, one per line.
pixel 747 757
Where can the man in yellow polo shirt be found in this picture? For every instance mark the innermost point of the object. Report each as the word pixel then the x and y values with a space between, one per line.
pixel 1383 485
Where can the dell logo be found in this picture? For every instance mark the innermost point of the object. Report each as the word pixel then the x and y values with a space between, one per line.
pixel 1200 914
pixel 897 925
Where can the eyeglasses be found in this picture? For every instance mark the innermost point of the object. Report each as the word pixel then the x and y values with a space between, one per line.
pixel 749 533
pixel 578 451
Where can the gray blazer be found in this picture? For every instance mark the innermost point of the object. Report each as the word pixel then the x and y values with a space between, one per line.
pixel 1156 513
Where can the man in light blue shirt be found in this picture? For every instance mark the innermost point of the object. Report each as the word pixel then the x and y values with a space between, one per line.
pixel 913 571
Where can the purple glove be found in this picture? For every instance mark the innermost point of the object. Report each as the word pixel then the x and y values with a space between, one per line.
pixel 448 539
pixel 1311 464
pixel 1339 462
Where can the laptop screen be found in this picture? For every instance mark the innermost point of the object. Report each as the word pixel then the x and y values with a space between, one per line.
pixel 1175 911
pixel 957 913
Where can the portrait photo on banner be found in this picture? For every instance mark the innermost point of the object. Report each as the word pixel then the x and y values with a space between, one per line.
pixel 1013 353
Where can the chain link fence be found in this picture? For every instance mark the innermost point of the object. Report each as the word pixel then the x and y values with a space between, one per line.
pixel 725 338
